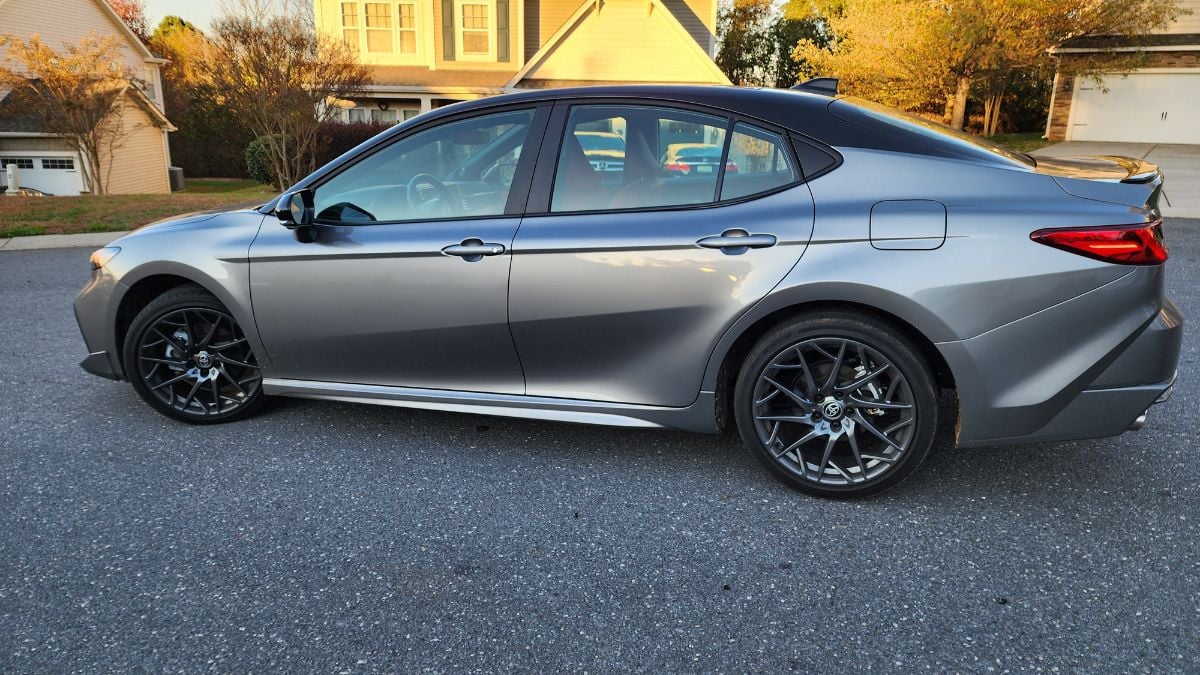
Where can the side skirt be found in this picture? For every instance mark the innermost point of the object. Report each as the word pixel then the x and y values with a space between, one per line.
pixel 699 416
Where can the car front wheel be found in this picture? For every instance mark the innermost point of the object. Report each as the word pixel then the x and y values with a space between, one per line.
pixel 837 404
pixel 187 357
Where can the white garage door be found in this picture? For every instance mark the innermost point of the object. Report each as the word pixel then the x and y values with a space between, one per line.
pixel 1141 108
pixel 56 174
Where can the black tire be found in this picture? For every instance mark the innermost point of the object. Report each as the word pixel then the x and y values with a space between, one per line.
pixel 165 369
pixel 760 401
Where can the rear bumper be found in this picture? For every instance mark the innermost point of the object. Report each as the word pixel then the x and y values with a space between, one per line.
pixel 1086 368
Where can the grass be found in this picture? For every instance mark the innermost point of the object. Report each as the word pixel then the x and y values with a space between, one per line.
pixel 28 216
pixel 1026 141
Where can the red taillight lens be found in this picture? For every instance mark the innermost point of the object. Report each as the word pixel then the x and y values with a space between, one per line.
pixel 731 167
pixel 1140 244
pixel 677 166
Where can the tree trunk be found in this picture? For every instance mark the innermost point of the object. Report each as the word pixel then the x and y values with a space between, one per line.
pixel 993 124
pixel 959 118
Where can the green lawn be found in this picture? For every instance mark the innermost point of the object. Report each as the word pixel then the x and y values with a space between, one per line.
pixel 1026 141
pixel 27 216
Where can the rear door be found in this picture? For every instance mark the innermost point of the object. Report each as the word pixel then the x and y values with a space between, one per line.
pixel 622 281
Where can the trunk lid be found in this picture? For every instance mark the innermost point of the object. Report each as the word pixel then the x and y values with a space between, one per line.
pixel 1119 180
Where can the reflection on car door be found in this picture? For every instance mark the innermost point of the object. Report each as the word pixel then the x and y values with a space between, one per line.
pixel 410 287
pixel 621 287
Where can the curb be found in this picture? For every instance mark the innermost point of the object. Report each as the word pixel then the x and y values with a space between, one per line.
pixel 43 241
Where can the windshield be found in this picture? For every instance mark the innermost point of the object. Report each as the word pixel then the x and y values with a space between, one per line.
pixel 930 130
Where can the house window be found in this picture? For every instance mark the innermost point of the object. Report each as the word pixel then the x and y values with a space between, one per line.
pixel 379 27
pixel 350 25
pixel 476 22
pixel 384 116
pixel 65 164
pixel 356 115
pixel 406 27
pixel 21 162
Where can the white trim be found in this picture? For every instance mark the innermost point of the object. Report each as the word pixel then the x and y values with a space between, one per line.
pixel 422 32
pixel 1050 111
pixel 378 89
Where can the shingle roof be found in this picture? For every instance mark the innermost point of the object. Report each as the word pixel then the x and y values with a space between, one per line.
pixel 420 76
pixel 1102 42
pixel 14 121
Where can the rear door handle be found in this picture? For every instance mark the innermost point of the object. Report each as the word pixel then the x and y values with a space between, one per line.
pixel 473 250
pixel 738 238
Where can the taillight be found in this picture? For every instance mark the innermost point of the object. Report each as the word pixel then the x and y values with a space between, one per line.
pixel 731 167
pixel 1140 244
pixel 677 166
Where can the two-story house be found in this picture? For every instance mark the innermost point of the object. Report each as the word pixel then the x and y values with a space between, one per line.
pixel 1159 102
pixel 427 53
pixel 139 163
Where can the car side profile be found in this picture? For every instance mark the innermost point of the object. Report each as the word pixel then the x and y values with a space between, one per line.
pixel 859 268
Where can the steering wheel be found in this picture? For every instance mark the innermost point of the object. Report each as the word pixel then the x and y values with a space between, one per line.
pixel 441 193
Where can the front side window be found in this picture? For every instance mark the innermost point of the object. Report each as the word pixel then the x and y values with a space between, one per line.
pixel 625 157
pixel 454 170
pixel 758 162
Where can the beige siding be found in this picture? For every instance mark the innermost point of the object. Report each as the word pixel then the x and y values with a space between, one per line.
pixel 32 144
pixel 65 22
pixel 1189 23
pixel 586 53
pixel 139 164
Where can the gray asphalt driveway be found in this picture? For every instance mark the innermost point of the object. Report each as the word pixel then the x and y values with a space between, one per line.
pixel 341 538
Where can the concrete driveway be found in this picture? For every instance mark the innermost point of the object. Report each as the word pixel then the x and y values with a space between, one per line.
pixel 1180 164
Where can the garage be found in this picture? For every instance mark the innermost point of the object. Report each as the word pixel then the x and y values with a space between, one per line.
pixel 1141 108
pixel 55 173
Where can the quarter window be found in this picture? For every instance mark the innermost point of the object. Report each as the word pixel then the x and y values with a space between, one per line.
pixel 454 170
pixel 626 157
pixel 758 162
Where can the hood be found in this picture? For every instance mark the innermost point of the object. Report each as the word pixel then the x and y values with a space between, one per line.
pixel 1118 180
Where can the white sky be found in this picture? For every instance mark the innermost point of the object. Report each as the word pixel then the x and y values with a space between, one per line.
pixel 199 12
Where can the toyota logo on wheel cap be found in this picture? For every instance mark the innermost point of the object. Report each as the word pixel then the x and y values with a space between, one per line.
pixel 832 410
pixel 203 360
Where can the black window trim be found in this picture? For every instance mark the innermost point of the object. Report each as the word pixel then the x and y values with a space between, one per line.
pixel 542 188
pixel 517 195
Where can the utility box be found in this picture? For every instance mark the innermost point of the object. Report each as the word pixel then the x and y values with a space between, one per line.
pixel 12 180
pixel 176 174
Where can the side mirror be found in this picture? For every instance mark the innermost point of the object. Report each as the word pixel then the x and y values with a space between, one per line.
pixel 296 211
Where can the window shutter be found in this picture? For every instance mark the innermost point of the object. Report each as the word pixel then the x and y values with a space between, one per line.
pixel 448 30
pixel 502 30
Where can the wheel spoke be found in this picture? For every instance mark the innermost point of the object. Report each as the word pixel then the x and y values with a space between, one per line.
pixel 796 398
pixel 165 383
pixel 212 331
pixel 837 367
pixel 192 394
pixel 802 419
pixel 825 457
pixel 236 384
pixel 862 381
pixel 803 439
pixel 171 341
pixel 169 362
pixel 851 436
pixel 882 405
pixel 234 362
pixel 226 345
pixel 875 432
pixel 810 385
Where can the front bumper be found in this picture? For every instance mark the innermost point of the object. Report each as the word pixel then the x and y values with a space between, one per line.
pixel 99 363
pixel 95 312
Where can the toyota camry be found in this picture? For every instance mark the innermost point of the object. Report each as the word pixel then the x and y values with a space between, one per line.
pixel 857 270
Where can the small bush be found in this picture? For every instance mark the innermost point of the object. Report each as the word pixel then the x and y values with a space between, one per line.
pixel 335 138
pixel 258 161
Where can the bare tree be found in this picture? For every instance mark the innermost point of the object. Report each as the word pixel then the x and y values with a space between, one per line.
pixel 273 69
pixel 77 94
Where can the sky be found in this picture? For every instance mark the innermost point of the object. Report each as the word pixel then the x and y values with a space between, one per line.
pixel 199 12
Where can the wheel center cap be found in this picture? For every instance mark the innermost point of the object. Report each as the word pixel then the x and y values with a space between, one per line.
pixel 832 410
pixel 204 360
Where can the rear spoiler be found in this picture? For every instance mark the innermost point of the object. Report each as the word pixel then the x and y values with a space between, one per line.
pixel 1140 171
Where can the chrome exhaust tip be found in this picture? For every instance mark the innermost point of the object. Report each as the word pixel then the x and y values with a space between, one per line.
pixel 1138 423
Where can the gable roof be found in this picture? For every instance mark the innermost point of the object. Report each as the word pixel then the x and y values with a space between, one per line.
pixel 17 123
pixel 580 50
pixel 130 37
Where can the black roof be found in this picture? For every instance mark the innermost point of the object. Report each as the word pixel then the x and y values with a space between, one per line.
pixel 14 121
pixel 1100 43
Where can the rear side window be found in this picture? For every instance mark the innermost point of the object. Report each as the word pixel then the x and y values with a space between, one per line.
pixel 758 162
pixel 628 157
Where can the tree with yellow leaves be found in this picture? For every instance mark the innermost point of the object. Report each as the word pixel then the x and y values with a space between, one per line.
pixel 74 94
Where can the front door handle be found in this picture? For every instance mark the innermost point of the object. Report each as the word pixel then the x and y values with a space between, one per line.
pixel 473 250
pixel 738 238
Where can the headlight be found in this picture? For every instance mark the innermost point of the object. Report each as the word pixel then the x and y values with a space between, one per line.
pixel 100 258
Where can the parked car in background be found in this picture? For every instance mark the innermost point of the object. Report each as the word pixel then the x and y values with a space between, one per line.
pixel 685 158
pixel 605 150
pixel 858 264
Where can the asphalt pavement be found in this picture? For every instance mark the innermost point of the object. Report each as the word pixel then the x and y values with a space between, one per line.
pixel 331 537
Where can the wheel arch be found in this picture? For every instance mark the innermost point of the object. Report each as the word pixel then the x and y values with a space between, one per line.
pixel 737 342
pixel 144 284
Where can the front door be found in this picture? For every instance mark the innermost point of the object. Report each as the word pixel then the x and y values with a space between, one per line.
pixel 407 283
pixel 663 226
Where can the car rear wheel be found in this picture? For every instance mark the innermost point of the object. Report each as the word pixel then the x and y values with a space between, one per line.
pixel 187 357
pixel 837 404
